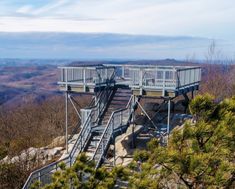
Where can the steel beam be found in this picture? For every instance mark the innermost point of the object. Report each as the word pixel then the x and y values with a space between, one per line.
pixel 146 114
pixel 71 100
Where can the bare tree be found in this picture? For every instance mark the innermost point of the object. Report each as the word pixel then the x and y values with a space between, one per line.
pixel 217 79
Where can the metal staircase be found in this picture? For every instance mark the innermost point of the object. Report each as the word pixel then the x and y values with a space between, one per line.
pixel 110 114
pixel 116 117
pixel 43 175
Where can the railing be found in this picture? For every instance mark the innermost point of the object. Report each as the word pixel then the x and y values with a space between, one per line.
pixel 156 77
pixel 188 76
pixel 163 78
pixel 44 174
pixel 118 118
pixel 86 76
pixel 151 77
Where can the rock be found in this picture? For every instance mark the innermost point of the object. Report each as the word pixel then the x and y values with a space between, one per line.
pixel 123 146
pixel 32 155
pixel 54 151
pixel 70 145
pixel 32 152
pixel 58 141
pixel 6 159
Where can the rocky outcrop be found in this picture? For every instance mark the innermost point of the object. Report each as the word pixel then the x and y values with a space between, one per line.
pixel 123 146
pixel 38 156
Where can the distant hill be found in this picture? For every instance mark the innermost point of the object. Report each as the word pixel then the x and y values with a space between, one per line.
pixel 24 83
pixel 15 62
pixel 38 82
pixel 99 46
pixel 170 62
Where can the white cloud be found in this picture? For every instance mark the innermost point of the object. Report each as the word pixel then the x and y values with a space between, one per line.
pixel 207 18
pixel 47 9
pixel 25 9
pixel 50 7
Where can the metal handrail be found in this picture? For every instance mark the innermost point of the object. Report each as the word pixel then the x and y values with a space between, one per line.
pixel 69 157
pixel 36 175
pixel 191 75
pixel 100 144
pixel 79 74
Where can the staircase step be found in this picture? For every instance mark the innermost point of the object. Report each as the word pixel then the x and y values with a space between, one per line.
pixel 118 103
pixel 98 132
pixel 121 97
pixel 95 139
pixel 120 100
pixel 91 150
pixel 99 128
pixel 115 107
pixel 124 96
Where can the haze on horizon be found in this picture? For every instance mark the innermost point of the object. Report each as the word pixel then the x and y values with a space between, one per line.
pixel 209 19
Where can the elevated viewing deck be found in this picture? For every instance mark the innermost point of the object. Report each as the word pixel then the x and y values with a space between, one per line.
pixel 149 80
pixel 117 92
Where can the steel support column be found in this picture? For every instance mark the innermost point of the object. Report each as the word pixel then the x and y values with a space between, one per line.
pixel 168 118
pixel 133 125
pixel 114 152
pixel 66 121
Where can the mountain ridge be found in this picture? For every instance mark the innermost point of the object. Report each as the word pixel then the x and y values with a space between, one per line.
pixel 97 45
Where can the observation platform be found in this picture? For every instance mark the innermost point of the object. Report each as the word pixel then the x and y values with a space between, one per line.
pixel 148 80
pixel 112 110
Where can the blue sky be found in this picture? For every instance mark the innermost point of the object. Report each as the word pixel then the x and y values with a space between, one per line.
pixel 210 19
